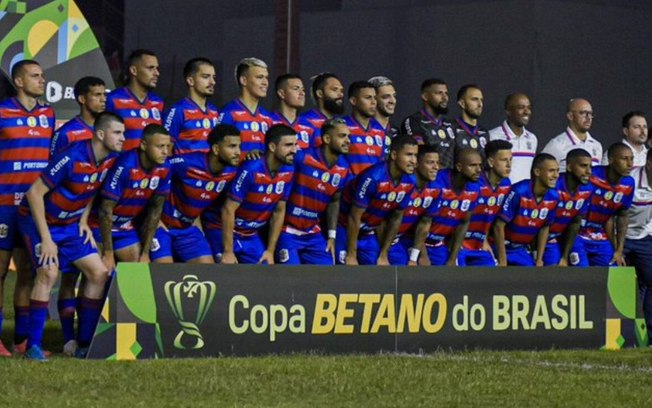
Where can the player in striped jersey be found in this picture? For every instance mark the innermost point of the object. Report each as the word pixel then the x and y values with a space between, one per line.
pixel 26 127
pixel 442 228
pixel 257 196
pixel 245 112
pixel 368 141
pixel 190 120
pixel 574 198
pixel 327 92
pixel 385 103
pixel 494 187
pixel 51 220
pixel 527 212
pixel 319 176
pixel 198 180
pixel 90 94
pixel 136 103
pixel 291 97
pixel 614 191
pixel 373 204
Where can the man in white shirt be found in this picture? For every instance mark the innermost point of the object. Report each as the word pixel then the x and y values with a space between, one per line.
pixel 580 117
pixel 524 143
pixel 635 131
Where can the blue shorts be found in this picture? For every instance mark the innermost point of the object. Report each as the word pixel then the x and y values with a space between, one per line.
pixel 519 256
pixel 399 251
pixel 552 255
pixel 248 249
pixel 475 257
pixel 438 254
pixel 121 239
pixel 368 247
pixel 10 236
pixel 181 244
pixel 71 246
pixel 307 249
pixel 586 252
pixel 214 238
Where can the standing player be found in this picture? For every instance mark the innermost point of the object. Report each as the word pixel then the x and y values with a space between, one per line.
pixel 319 175
pixel 90 94
pixel 385 103
pixel 494 187
pixel 597 243
pixel 191 119
pixel 467 131
pixel 373 205
pixel 291 97
pixel 574 198
pixel 524 143
pixel 198 179
pixel 26 127
pixel 245 112
pixel 49 219
pixel 327 92
pixel 635 136
pixel 257 196
pixel 526 215
pixel 136 103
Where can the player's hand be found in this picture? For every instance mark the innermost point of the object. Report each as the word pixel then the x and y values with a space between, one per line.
pixel 538 262
pixel 424 259
pixel 382 260
pixel 109 260
pixel 563 262
pixel 412 263
pixel 502 263
pixel 254 155
pixel 330 247
pixel 618 259
pixel 86 232
pixel 351 259
pixel 451 262
pixel 267 258
pixel 49 254
pixel 228 258
pixel 144 258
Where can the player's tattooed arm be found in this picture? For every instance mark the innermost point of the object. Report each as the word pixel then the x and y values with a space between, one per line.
pixel 275 225
pixel 105 212
pixel 352 233
pixel 389 233
pixel 152 219
pixel 622 220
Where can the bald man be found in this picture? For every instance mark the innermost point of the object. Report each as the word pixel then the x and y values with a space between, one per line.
pixel 580 118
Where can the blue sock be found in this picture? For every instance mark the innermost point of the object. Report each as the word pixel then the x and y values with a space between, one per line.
pixel 67 309
pixel 21 318
pixel 2 318
pixel 89 311
pixel 38 314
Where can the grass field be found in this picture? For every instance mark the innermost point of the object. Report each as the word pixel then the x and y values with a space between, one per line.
pixel 474 378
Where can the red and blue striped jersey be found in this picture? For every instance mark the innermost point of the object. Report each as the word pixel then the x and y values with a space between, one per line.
pixel 375 191
pixel 131 187
pixel 252 125
pixel 452 209
pixel 193 188
pixel 25 137
pixel 75 130
pixel 421 201
pixel 570 206
pixel 74 177
pixel 485 212
pixel 135 113
pixel 524 216
pixel 312 121
pixel 189 126
pixel 312 190
pixel 607 200
pixel 368 146
pixel 303 131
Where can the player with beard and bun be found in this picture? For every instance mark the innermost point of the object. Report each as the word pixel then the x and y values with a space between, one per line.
pixel 136 104
pixel 467 131
pixel 385 103
pixel 328 93
pixel 191 119
pixel 291 97
pixel 524 143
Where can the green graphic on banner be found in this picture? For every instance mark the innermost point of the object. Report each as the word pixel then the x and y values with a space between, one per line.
pixel 137 292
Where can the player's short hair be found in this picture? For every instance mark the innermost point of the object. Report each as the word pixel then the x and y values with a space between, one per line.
pixel 244 65
pixel 329 124
pixel 355 87
pixel 576 154
pixel 510 97
pixel 464 89
pixel 629 115
pixel 137 54
pixel 427 148
pixel 17 68
pixel 380 81
pixel 104 120
pixel 430 82
pixel 192 66
pixel 282 80
pixel 84 85
pixel 399 142
pixel 615 148
pixel 463 152
pixel 219 132
pixel 319 82
pixel 538 160
pixel 153 129
pixel 495 146
pixel 276 132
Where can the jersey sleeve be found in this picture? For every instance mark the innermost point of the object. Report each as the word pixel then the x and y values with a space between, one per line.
pixel 406 200
pixel 173 122
pixel 510 207
pixel 411 127
pixel 164 185
pixel 629 198
pixel 59 170
pixel 112 187
pixel 241 184
pixel 364 190
pixel 225 118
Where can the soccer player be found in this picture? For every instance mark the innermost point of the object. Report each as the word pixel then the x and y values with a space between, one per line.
pixel 527 212
pixel 50 220
pixel 373 205
pixel 136 103
pixel 190 120
pixel 327 92
pixel 257 196
pixel 198 180
pixel 442 229
pixel 494 187
pixel 574 198
pixel 368 140
pixel 90 94
pixel 580 118
pixel 597 243
pixel 466 129
pixel 524 143
pixel 635 135
pixel 245 112
pixel 26 127
pixel 291 98
pixel 319 176
pixel 429 126
pixel 385 103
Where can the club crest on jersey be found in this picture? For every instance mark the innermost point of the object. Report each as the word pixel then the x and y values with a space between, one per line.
pixel 483 142
pixel 4 230
pixel 263 126
pixel 473 143
pixel 579 204
pixel 280 186
pixel 255 126
pixel 455 204
pixel 283 255
pixel 379 141
pixel 43 121
pixel 427 201
pixel 465 205
pixel 206 123
pixel 529 145
pixel 543 214
pixel 31 121
pixel 143 183
pixel 450 132
pixel 209 186
pixel 155 245
pixel 304 136
pixel 325 177
pixel 153 184
pixel 144 113
pixel 336 180
pixel 37 250
pixel 220 186
pixel 608 195
pixel 618 197
pixel 400 196
pixel 369 140
pixel 156 114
